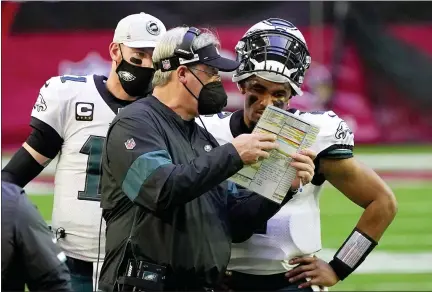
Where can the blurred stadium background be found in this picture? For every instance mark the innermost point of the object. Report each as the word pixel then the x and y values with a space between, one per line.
pixel 372 64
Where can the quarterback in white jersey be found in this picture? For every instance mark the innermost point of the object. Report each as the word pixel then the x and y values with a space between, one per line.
pixel 280 256
pixel 71 117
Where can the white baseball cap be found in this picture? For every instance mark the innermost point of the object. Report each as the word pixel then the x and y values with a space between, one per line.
pixel 139 31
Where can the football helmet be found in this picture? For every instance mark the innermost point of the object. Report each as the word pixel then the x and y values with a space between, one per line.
pixel 275 50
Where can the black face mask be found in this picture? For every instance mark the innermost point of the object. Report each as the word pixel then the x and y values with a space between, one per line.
pixel 135 80
pixel 212 97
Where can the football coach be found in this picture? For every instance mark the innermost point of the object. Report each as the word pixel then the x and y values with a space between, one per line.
pixel 171 215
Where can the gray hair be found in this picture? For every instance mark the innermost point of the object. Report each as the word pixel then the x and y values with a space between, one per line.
pixel 169 41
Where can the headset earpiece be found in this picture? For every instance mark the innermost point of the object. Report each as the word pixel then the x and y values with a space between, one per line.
pixel 183 53
pixel 184 50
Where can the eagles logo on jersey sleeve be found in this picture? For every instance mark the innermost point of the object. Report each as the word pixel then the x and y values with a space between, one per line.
pixel 335 139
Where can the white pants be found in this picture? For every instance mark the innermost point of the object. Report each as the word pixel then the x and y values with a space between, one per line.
pixel 96 272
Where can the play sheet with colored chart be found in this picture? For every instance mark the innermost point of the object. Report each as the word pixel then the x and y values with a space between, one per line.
pixel 272 177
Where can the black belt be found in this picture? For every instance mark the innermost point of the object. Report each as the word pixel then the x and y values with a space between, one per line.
pixel 79 267
pixel 248 282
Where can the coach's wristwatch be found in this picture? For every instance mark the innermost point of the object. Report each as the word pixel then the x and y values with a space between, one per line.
pixel 295 191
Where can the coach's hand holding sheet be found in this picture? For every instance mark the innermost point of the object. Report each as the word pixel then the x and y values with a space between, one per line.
pixel 252 147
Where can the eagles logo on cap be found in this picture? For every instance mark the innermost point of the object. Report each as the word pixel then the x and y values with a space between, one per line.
pixel 153 28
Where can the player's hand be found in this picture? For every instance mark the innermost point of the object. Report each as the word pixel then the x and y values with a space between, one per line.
pixel 252 147
pixel 314 270
pixel 305 166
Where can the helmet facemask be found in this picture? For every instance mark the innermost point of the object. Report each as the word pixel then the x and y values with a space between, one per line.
pixel 274 55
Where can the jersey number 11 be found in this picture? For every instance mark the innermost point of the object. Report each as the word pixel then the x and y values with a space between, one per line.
pixel 93 148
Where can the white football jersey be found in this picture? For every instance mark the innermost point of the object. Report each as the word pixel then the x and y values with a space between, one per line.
pixel 74 107
pixel 295 229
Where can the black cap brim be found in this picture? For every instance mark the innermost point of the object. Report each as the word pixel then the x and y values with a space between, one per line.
pixel 210 56
pixel 223 64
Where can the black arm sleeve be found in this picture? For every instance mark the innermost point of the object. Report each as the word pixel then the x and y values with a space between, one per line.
pixel 44 262
pixel 22 168
pixel 148 175
pixel 44 139
pixel 248 211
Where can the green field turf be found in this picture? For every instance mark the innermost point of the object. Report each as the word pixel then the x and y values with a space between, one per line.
pixel 393 149
pixel 410 233
pixel 386 282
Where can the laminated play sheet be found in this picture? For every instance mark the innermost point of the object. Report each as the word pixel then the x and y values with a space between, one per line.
pixel 272 177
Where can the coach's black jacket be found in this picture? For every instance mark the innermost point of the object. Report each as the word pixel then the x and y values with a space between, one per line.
pixel 166 201
pixel 29 255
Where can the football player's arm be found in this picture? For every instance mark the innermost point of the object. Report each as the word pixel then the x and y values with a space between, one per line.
pixel 149 176
pixel 44 142
pixel 364 187
pixel 247 211
pixel 43 260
